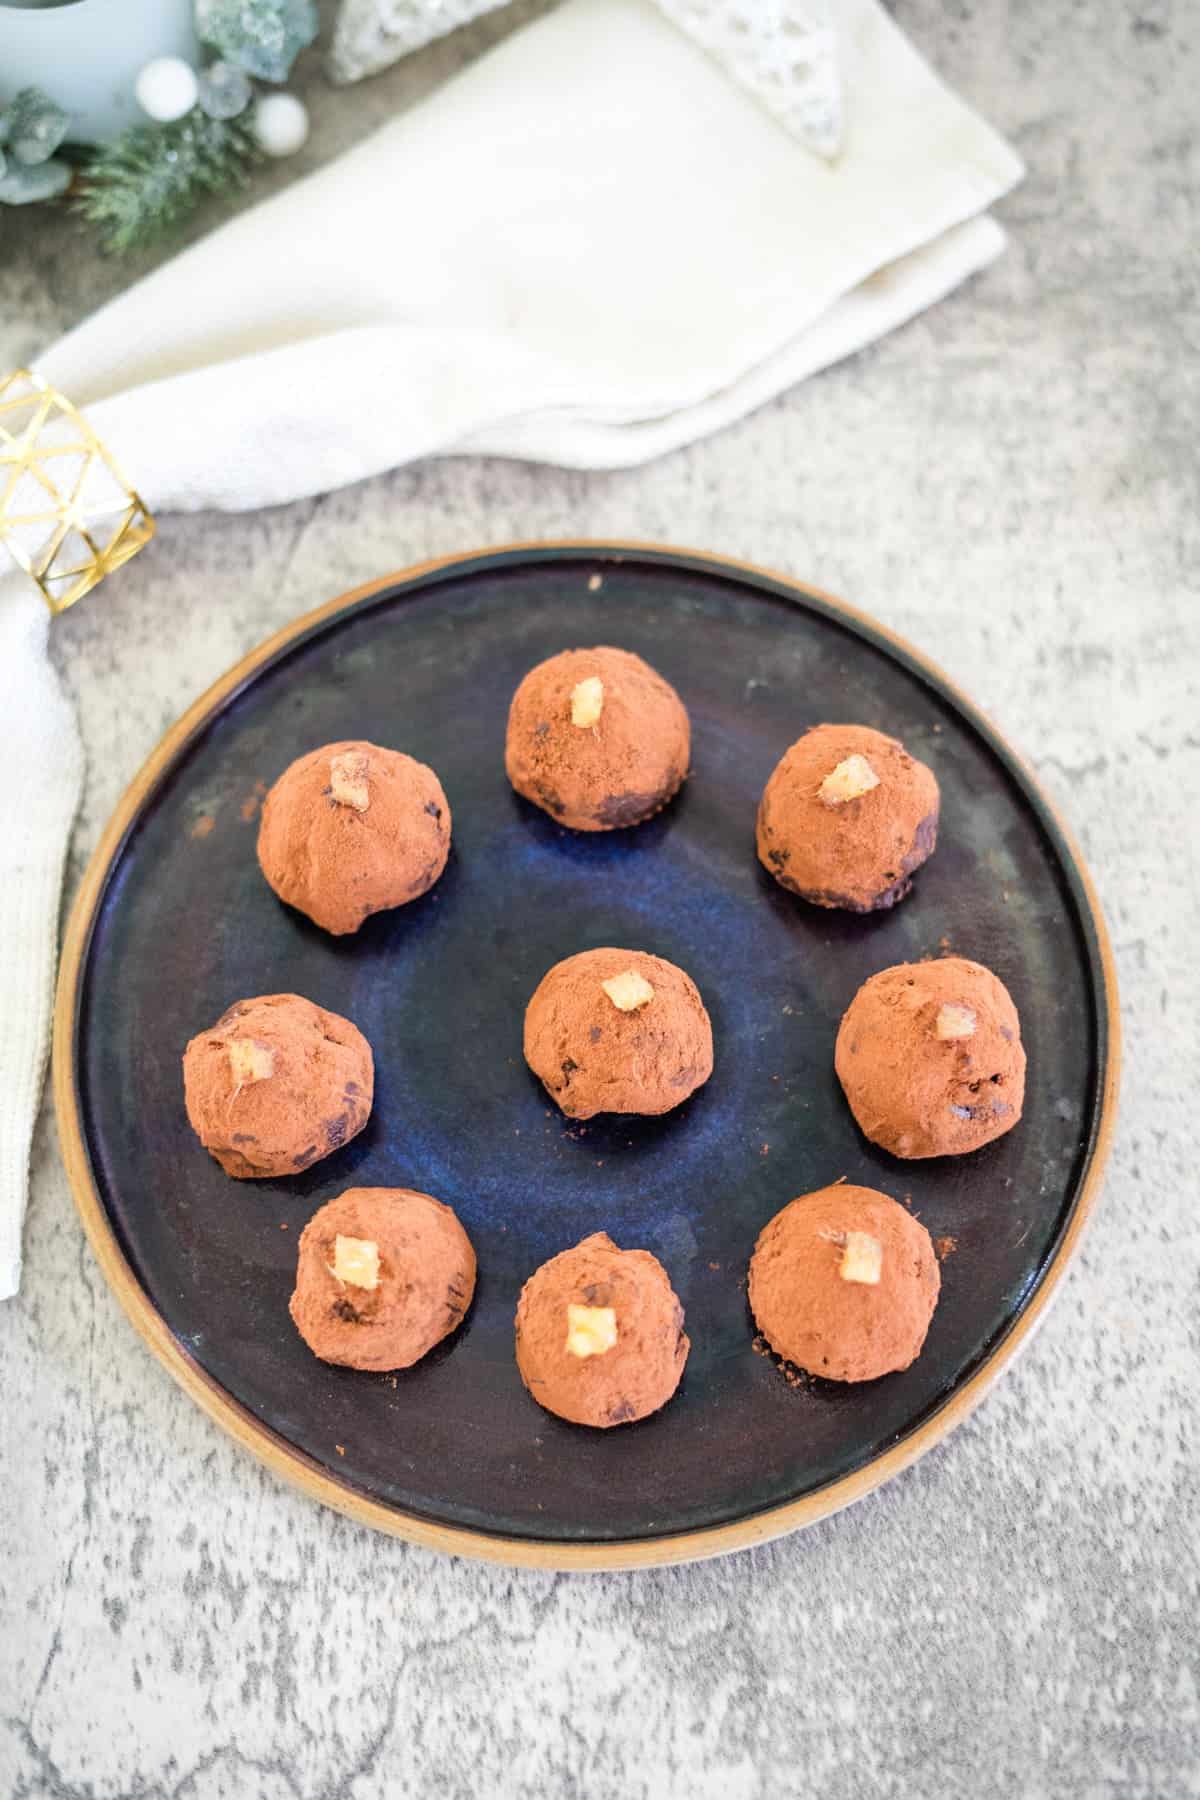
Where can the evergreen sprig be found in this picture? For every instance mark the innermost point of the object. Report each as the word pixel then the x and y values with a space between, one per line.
pixel 144 181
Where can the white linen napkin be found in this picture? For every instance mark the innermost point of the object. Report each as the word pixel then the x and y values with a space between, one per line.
pixel 587 249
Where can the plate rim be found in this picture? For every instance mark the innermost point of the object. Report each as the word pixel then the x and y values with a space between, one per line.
pixel 295 1466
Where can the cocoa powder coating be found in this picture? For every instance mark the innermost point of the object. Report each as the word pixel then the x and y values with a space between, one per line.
pixel 915 1092
pixel 426 1277
pixel 276 1084
pixel 812 1317
pixel 858 854
pixel 352 829
pixel 642 1369
pixel 592 1057
pixel 615 772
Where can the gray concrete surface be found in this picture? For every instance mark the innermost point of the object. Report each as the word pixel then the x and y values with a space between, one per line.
pixel 1010 481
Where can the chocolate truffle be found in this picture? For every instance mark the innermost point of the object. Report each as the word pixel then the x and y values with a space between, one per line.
pixel 600 1337
pixel 350 830
pixel 618 1031
pixel 846 817
pixel 597 739
pixel 276 1084
pixel 930 1057
pixel 384 1274
pixel 843 1283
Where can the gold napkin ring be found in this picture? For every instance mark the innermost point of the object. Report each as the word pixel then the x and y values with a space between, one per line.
pixel 68 517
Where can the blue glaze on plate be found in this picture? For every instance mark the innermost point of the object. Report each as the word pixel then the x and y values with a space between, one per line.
pixel 186 925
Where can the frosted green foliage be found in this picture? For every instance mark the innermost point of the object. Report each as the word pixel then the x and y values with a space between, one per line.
pixel 23 183
pixel 34 127
pixel 152 175
pixel 31 129
pixel 264 37
pixel 225 90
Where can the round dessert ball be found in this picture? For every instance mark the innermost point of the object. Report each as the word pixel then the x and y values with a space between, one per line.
pixel 597 739
pixel 600 1337
pixel 276 1084
pixel 350 830
pixel 929 1055
pixel 618 1031
pixel 843 1283
pixel 383 1275
pixel 846 817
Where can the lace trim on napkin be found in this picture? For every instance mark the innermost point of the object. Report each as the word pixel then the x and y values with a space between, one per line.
pixel 784 52
pixel 370 34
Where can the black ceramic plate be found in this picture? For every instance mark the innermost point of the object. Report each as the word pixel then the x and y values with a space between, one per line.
pixel 176 922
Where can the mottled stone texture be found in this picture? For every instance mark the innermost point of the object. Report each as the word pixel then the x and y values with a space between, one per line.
pixel 1011 482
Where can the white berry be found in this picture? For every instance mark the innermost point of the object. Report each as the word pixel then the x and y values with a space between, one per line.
pixel 280 124
pixel 166 88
